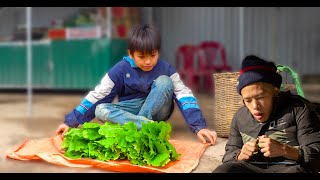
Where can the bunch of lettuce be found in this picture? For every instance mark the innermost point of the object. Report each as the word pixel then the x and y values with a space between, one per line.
pixel 147 146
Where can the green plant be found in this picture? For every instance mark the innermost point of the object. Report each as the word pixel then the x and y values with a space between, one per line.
pixel 148 146
pixel 294 75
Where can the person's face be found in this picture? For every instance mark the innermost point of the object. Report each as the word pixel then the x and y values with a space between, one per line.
pixel 146 62
pixel 258 97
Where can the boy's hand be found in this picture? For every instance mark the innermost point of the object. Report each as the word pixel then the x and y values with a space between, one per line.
pixel 62 129
pixel 270 147
pixel 204 134
pixel 247 150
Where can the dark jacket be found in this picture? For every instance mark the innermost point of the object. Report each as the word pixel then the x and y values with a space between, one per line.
pixel 291 122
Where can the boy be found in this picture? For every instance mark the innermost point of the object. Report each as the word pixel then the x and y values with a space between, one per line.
pixel 145 86
pixel 275 132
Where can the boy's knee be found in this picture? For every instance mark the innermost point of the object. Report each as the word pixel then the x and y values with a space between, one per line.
pixel 164 81
pixel 99 107
pixel 102 111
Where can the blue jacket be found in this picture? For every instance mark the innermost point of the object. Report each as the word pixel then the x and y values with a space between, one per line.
pixel 127 81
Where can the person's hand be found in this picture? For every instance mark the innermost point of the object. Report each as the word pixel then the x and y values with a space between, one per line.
pixel 270 147
pixel 247 150
pixel 206 135
pixel 62 129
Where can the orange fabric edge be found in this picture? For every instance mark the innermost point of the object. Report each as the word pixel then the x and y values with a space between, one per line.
pixel 189 160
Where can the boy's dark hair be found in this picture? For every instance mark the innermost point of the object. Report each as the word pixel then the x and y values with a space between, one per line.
pixel 145 38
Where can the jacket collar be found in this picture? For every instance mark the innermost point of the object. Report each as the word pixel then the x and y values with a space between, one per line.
pixel 279 101
pixel 131 61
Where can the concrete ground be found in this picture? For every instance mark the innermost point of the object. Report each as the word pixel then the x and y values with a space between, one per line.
pixel 48 112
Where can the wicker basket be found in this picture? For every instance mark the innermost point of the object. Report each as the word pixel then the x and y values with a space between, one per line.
pixel 227 101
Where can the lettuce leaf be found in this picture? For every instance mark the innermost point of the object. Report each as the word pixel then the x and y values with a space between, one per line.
pixel 148 146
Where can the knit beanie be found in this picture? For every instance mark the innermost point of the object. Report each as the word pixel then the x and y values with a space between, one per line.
pixel 255 69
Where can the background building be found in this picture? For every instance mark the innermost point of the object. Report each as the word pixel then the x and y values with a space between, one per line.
pixel 72 48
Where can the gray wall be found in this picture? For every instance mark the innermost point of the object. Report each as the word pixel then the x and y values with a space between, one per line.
pixel 190 25
pixel 286 35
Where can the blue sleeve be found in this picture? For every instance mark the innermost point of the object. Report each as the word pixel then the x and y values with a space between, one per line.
pixel 192 114
pixel 187 104
pixel 85 112
pixel 71 118
pixel 105 92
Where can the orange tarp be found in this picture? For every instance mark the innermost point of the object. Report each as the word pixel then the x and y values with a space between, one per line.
pixel 49 149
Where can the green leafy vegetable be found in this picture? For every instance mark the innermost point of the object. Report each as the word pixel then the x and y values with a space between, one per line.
pixel 147 146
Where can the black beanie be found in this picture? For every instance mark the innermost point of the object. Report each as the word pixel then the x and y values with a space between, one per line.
pixel 255 69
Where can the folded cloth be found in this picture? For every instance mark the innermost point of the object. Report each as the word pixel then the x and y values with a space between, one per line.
pixel 49 149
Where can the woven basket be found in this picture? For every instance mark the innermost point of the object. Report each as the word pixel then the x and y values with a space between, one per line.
pixel 227 101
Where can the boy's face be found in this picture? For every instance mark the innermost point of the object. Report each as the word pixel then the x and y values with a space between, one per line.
pixel 145 62
pixel 258 97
